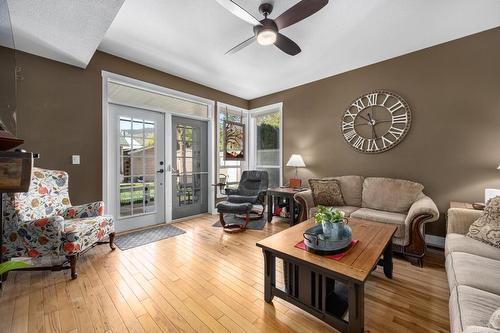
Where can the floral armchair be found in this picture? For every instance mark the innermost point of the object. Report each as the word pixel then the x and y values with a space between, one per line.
pixel 42 222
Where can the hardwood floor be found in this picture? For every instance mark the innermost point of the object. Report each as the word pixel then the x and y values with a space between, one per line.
pixel 205 280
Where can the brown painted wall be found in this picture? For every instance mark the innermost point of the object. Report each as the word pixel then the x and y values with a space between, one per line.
pixel 59 113
pixel 453 146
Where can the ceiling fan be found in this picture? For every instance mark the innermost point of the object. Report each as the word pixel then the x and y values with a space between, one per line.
pixel 266 31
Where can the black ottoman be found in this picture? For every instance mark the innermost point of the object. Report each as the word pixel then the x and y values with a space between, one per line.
pixel 226 207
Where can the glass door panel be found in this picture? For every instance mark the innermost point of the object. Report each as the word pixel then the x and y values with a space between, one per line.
pixel 139 167
pixel 190 169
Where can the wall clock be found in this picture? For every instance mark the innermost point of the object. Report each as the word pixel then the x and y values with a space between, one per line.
pixel 376 122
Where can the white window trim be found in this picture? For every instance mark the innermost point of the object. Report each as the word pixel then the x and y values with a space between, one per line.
pixel 245 117
pixel 251 149
pixel 121 79
pixel 253 128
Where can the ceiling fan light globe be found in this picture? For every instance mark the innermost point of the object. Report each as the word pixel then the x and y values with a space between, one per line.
pixel 266 37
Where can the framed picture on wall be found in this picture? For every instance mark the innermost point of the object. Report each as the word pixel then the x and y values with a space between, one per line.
pixel 234 141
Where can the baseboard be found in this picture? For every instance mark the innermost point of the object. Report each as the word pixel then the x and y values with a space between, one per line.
pixel 436 241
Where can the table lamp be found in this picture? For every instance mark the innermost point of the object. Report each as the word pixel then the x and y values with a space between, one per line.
pixel 297 162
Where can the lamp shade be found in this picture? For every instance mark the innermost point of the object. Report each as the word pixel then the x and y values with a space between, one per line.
pixel 498 167
pixel 296 161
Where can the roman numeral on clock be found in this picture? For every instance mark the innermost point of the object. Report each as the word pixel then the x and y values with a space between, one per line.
pixel 396 132
pixel 350 135
pixel 350 114
pixel 359 143
pixel 372 145
pixel 386 142
pixel 400 119
pixel 359 104
pixel 347 126
pixel 398 105
pixel 372 99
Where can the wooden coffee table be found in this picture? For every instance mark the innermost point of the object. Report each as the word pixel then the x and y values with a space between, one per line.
pixel 326 288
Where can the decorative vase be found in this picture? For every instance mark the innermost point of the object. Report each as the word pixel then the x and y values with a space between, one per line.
pixel 327 228
pixel 333 230
pixel 338 230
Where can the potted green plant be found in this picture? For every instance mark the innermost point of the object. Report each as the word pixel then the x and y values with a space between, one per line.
pixel 332 220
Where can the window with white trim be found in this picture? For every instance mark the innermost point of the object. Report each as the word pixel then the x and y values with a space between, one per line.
pixel 266 143
pixel 229 171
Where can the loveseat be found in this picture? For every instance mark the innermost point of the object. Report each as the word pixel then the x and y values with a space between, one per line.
pixel 473 270
pixel 384 200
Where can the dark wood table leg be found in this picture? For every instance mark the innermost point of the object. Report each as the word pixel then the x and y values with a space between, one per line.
pixel 388 260
pixel 356 299
pixel 269 275
pixel 270 208
pixel 292 211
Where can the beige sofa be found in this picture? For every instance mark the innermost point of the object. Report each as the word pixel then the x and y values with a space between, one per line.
pixel 384 200
pixel 473 270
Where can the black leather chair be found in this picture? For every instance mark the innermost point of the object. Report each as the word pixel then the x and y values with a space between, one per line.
pixel 251 192
pixel 251 189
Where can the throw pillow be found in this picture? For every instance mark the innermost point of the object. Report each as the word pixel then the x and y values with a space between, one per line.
pixel 326 192
pixel 487 227
pixel 495 320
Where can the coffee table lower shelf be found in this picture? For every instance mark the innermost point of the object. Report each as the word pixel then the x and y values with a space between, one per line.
pixel 333 298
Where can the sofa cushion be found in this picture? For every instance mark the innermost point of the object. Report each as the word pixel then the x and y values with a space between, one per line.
pixel 471 307
pixel 384 217
pixel 391 195
pixel 348 210
pixel 352 189
pixel 464 269
pixel 494 321
pixel 461 243
pixel 326 192
pixel 479 329
pixel 487 227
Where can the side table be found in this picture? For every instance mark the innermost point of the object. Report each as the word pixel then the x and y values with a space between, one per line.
pixel 285 193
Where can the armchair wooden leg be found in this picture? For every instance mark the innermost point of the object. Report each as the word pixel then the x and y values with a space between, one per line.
pixel 112 241
pixel 72 262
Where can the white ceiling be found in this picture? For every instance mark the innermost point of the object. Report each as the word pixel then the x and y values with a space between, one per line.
pixel 68 31
pixel 188 38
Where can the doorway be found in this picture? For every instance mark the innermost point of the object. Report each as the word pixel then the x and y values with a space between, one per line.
pixel 137 151
pixel 157 160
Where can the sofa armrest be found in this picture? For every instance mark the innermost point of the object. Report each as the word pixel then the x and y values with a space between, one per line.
pixel 460 219
pixel 88 210
pixel 306 202
pixel 422 211
pixel 424 206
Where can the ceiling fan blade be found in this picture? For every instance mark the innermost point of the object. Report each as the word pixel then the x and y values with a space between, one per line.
pixel 238 11
pixel 242 45
pixel 300 11
pixel 287 45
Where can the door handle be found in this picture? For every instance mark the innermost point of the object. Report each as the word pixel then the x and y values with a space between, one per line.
pixel 160 171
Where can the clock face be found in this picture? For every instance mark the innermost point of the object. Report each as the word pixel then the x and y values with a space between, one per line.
pixel 376 122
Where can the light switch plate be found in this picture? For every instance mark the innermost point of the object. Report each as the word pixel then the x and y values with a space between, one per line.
pixel 75 159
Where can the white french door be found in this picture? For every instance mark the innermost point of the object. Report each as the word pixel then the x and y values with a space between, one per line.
pixel 137 167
